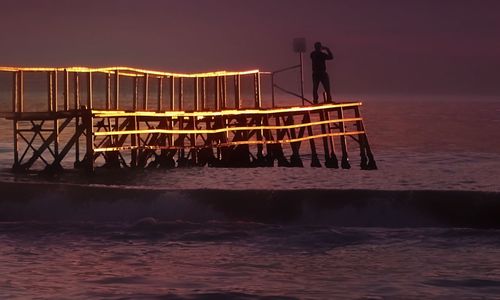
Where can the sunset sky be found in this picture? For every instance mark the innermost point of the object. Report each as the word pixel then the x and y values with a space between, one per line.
pixel 394 46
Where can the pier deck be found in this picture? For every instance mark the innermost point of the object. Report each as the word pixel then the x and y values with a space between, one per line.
pixel 104 132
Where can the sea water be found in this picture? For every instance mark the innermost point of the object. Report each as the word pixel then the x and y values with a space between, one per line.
pixel 422 226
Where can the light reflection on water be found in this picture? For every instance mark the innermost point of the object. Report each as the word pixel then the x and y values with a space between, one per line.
pixel 254 260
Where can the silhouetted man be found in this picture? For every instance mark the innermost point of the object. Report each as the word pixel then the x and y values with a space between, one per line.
pixel 318 58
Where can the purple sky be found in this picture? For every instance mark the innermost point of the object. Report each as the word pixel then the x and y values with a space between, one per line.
pixel 438 46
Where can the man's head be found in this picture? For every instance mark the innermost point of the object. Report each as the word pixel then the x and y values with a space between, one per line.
pixel 318 46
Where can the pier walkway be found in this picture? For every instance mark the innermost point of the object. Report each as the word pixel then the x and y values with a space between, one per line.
pixel 126 117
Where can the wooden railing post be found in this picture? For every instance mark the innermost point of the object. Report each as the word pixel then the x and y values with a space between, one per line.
pixel 160 93
pixel 50 90
pixel 237 91
pixel 66 90
pixel 216 93
pixel 196 94
pixel 172 93
pixel 90 90
pixel 145 92
pixel 136 93
pixel 203 93
pixel 77 90
pixel 108 91
pixel 256 84
pixel 117 90
pixel 181 93
pixel 223 92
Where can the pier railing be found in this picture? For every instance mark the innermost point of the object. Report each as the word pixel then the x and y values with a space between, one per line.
pixel 126 117
pixel 150 90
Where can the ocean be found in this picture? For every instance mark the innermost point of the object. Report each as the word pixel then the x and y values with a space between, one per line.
pixel 425 225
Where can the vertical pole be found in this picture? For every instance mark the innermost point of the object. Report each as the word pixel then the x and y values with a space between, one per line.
pixel 181 93
pixel 20 92
pixel 367 159
pixel 301 77
pixel 66 90
pixel 15 90
pixel 273 97
pixel 136 93
pixel 216 93
pixel 134 143
pixel 55 91
pixel 89 90
pixel 15 99
pixel 146 92
pixel 117 90
pixel 77 90
pixel 172 93
pixel 196 95
pixel 56 121
pixel 160 93
pixel 108 91
pixel 256 84
pixel 237 91
pixel 89 137
pixel 203 93
pixel 224 92
pixel 77 118
pixel 343 143
pixel 50 90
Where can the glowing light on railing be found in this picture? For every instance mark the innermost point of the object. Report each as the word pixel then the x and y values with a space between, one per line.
pixel 127 71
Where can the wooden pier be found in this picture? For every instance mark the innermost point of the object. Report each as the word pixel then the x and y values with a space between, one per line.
pixel 125 117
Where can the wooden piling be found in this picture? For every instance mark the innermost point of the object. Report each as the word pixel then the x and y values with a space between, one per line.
pixel 343 143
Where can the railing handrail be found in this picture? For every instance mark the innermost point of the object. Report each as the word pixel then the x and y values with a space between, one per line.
pixel 136 72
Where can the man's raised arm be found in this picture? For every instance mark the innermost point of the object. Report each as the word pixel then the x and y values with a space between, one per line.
pixel 328 53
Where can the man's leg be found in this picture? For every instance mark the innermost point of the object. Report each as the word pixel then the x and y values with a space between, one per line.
pixel 325 80
pixel 316 81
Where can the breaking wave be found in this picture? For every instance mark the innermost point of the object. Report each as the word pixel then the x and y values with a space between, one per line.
pixel 143 207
